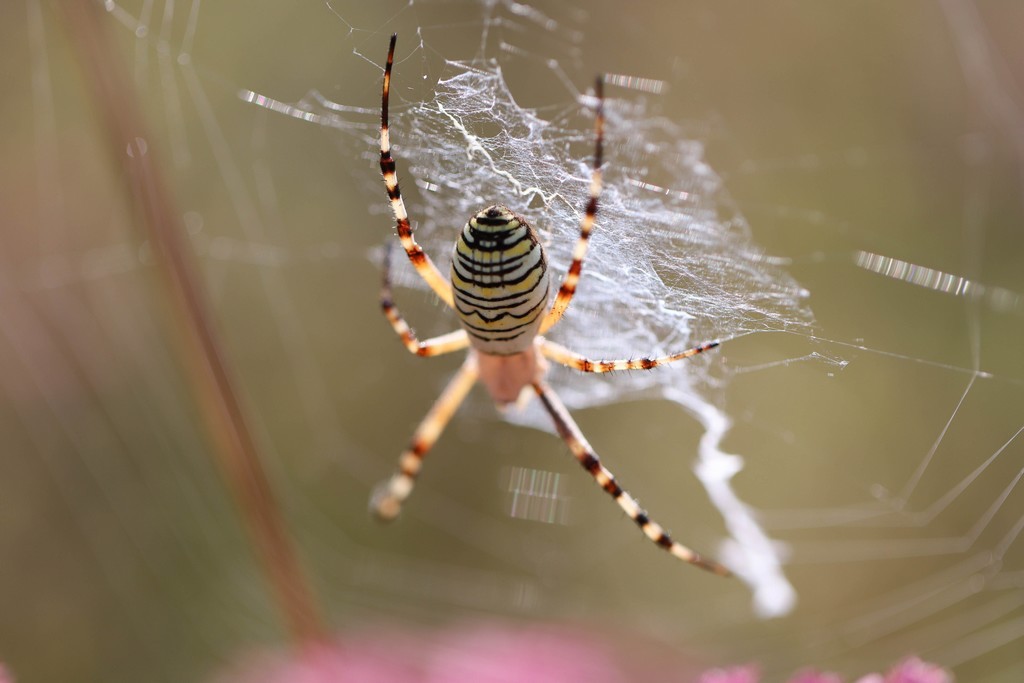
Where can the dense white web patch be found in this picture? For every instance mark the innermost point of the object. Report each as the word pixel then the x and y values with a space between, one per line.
pixel 669 266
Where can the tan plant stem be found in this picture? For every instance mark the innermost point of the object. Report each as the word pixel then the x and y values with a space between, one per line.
pixel 202 353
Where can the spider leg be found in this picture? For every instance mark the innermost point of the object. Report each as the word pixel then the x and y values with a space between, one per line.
pixel 571 359
pixel 453 341
pixel 424 266
pixel 568 288
pixel 584 453
pixel 387 499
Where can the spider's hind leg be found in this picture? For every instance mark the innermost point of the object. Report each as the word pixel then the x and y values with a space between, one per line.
pixel 387 499
pixel 584 453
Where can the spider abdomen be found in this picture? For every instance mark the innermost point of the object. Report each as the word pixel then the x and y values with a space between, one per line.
pixel 500 281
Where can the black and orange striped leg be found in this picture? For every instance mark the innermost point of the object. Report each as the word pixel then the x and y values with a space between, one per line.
pixel 583 452
pixel 387 499
pixel 571 359
pixel 424 266
pixel 453 341
pixel 579 252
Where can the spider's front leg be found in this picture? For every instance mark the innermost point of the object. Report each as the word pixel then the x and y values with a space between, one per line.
pixel 387 499
pixel 571 359
pixel 586 456
pixel 579 252
pixel 424 266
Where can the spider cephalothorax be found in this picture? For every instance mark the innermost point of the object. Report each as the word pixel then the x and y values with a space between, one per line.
pixel 500 291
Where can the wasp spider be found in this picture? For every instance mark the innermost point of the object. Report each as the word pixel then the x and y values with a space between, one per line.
pixel 500 291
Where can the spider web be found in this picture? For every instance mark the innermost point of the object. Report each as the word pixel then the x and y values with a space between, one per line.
pixel 867 455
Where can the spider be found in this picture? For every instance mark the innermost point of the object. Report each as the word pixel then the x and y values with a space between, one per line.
pixel 500 291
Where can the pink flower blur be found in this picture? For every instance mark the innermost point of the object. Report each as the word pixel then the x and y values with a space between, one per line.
pixel 490 653
pixel 481 654
pixel 494 655
pixel 738 674
pixel 911 670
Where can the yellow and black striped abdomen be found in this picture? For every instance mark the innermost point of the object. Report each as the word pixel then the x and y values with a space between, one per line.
pixel 500 281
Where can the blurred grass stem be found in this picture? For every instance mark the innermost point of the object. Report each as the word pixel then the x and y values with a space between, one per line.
pixel 201 350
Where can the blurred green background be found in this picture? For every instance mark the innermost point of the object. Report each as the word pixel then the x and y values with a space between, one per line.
pixel 890 128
